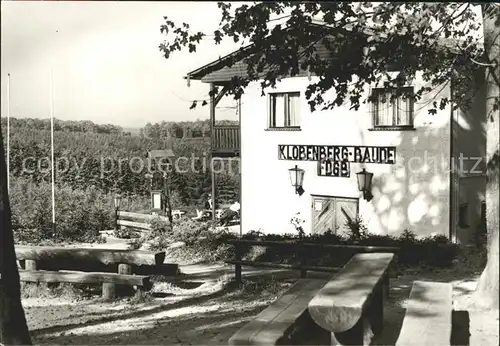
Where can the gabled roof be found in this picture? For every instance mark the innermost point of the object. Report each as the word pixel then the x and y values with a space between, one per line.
pixel 218 71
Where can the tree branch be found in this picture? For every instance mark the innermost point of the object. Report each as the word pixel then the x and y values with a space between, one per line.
pixel 483 64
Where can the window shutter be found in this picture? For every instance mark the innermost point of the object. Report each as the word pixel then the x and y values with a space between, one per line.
pixel 279 110
pixel 293 109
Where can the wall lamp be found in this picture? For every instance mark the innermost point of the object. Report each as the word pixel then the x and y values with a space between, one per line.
pixel 297 178
pixel 365 184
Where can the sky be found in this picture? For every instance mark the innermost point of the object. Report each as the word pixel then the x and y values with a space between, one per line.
pixel 105 61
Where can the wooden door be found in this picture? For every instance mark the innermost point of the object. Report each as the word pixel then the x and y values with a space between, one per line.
pixel 323 215
pixel 332 214
pixel 346 210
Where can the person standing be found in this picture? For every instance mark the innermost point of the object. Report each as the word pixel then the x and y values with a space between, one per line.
pixel 207 213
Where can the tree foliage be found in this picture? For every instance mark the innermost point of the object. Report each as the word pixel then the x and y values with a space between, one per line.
pixel 110 162
pixel 364 42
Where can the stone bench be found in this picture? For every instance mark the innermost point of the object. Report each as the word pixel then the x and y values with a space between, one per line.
pixel 428 318
pixel 279 322
pixel 350 306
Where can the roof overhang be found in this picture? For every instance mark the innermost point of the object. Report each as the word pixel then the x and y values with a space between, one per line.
pixel 237 68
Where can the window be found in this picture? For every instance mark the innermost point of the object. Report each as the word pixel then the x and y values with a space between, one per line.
pixel 463 216
pixel 284 110
pixel 392 113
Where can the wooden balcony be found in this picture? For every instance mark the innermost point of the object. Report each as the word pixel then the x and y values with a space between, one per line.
pixel 226 141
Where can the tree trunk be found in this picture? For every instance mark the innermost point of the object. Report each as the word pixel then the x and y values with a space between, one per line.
pixel 13 328
pixel 487 290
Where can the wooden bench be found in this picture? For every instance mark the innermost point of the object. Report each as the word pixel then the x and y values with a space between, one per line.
pixel 137 220
pixel 108 280
pixel 428 318
pixel 32 254
pixel 279 322
pixel 350 306
pixel 144 261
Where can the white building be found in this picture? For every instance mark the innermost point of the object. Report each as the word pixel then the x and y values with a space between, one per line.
pixel 418 188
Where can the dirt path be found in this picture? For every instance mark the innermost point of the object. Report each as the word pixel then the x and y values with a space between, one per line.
pixel 207 314
pixel 210 314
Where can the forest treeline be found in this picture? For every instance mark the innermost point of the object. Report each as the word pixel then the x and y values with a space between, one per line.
pixel 111 160
pixel 177 129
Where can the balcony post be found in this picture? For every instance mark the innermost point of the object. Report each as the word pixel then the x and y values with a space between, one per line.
pixel 212 138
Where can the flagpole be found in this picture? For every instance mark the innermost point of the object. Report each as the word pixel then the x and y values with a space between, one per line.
pixel 52 147
pixel 8 132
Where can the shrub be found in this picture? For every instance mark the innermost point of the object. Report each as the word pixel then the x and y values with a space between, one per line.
pixel 127 233
pixel 435 251
pixel 189 231
pixel 160 236
pixel 357 228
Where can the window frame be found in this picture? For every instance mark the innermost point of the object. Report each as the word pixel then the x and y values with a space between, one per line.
pixel 394 126
pixel 271 116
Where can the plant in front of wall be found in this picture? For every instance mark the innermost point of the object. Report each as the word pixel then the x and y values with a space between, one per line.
pixel 358 229
pixel 297 222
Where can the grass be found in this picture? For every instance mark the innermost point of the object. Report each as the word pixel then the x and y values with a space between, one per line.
pixel 73 292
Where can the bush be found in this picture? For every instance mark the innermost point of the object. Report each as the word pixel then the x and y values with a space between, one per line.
pixel 127 233
pixel 189 231
pixel 80 214
pixel 435 251
pixel 357 228
pixel 203 242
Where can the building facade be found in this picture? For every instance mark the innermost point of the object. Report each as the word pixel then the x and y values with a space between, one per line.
pixel 428 169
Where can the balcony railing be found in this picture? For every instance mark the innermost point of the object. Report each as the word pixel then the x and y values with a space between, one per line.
pixel 226 139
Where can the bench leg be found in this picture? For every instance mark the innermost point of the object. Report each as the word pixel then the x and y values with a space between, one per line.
pixel 124 269
pixel 370 324
pixel 124 290
pixel 30 265
pixel 140 293
pixel 375 311
pixel 385 284
pixel 108 290
pixel 237 273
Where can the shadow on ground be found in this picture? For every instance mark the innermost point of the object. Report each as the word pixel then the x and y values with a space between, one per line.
pixel 211 319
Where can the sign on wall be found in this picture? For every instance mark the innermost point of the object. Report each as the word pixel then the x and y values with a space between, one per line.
pixel 156 199
pixel 333 160
pixel 354 154
pixel 330 168
pixel 318 205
